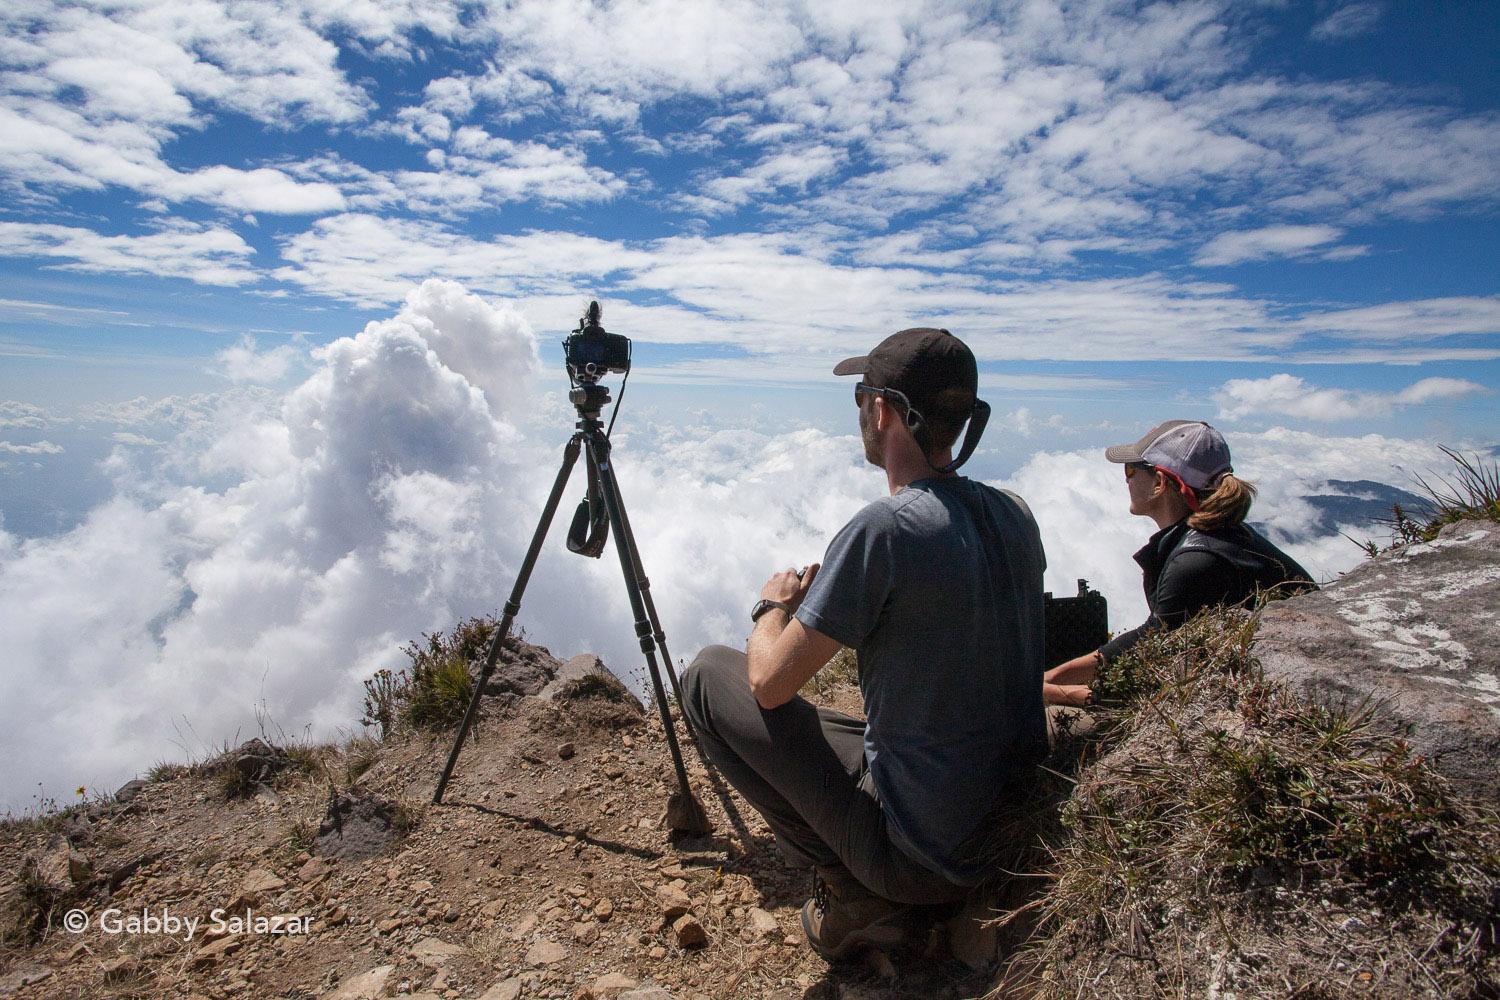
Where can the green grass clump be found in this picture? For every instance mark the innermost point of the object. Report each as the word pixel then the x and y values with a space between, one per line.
pixel 434 691
pixel 1472 493
pixel 440 691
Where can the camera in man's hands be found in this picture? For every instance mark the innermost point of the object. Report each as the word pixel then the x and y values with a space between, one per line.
pixel 592 352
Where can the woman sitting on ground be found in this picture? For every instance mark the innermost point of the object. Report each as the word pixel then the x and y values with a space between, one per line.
pixel 1203 556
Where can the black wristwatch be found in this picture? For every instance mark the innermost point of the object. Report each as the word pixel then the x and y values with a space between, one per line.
pixel 763 605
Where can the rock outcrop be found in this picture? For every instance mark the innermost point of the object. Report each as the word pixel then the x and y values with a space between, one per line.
pixel 1413 632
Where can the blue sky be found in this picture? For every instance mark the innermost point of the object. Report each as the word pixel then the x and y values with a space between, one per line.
pixel 1278 216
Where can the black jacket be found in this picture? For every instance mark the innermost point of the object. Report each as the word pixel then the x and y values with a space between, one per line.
pixel 1186 570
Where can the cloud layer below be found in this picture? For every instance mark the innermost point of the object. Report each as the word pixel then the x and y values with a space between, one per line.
pixel 263 552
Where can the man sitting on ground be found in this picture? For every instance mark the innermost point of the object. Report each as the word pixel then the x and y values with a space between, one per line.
pixel 938 589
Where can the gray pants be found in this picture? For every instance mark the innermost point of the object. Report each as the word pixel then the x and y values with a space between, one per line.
pixel 804 769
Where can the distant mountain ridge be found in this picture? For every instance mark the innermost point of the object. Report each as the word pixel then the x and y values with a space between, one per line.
pixel 1359 503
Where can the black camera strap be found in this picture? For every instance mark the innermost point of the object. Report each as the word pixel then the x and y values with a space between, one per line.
pixel 590 528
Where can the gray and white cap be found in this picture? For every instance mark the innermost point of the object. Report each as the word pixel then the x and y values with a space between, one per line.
pixel 1192 450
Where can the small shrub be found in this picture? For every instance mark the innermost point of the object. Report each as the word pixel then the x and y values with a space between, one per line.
pixel 31 906
pixel 435 691
pixel 384 694
pixel 306 758
pixel 489 948
pixel 406 815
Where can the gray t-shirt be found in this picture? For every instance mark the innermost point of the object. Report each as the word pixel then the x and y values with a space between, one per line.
pixel 939 590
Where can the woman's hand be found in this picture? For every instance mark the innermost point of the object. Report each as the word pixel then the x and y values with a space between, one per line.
pixel 1079 670
pixel 1076 695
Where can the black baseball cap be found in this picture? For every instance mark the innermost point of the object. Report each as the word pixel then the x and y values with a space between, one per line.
pixel 920 363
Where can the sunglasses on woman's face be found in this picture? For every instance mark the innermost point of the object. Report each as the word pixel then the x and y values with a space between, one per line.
pixel 1131 468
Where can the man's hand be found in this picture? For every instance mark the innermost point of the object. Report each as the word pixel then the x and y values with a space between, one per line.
pixel 789 586
pixel 784 653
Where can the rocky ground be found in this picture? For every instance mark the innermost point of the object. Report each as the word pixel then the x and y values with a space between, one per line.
pixel 546 872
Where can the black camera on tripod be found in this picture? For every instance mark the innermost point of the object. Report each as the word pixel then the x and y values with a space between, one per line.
pixel 592 352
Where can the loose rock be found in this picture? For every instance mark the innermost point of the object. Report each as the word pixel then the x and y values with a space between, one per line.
pixel 690 933
pixel 546 952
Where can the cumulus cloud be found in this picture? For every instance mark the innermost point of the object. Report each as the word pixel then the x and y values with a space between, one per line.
pixel 1282 396
pixel 279 547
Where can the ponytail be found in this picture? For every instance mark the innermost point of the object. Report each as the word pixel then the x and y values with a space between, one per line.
pixel 1225 507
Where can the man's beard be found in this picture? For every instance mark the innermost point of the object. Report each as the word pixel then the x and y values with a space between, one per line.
pixel 867 434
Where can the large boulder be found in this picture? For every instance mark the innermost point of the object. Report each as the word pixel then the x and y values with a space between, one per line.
pixel 521 669
pixel 1413 633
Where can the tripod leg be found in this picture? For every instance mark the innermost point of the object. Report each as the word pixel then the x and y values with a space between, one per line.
pixel 684 812
pixel 512 607
pixel 645 585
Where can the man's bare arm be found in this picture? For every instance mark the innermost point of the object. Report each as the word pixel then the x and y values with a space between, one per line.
pixel 783 652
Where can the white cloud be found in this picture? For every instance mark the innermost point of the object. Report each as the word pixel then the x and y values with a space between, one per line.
pixel 1426 319
pixel 16 414
pixel 1440 390
pixel 241 362
pixel 208 256
pixel 1349 20
pixel 37 448
pixel 1265 243
pixel 1282 396
pixel 387 495
pixel 1045 130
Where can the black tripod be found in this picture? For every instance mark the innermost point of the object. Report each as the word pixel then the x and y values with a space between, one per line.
pixel 602 510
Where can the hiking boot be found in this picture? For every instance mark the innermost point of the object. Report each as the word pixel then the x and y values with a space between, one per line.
pixel 843 915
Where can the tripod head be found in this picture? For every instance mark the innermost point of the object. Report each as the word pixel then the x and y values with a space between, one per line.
pixel 589 398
